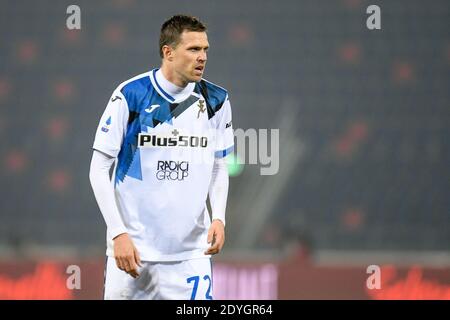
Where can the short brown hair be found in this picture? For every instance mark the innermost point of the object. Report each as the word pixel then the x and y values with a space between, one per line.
pixel 172 29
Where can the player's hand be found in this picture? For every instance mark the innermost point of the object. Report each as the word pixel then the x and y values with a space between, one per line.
pixel 126 255
pixel 216 237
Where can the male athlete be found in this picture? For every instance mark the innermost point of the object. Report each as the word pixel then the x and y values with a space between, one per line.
pixel 167 131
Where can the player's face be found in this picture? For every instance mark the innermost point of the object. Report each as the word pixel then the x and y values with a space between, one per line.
pixel 189 56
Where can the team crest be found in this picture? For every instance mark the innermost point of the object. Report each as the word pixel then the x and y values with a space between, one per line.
pixel 201 106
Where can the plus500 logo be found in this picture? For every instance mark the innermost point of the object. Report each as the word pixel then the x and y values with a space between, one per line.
pixel 151 140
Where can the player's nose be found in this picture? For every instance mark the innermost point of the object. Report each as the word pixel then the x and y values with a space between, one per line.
pixel 202 57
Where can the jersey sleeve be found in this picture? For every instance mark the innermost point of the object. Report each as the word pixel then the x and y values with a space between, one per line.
pixel 113 124
pixel 224 127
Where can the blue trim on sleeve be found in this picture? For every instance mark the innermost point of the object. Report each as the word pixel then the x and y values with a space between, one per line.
pixel 224 153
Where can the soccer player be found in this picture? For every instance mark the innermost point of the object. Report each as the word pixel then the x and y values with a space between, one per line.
pixel 167 131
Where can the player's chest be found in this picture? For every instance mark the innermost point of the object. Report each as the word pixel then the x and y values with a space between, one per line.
pixel 185 125
pixel 189 114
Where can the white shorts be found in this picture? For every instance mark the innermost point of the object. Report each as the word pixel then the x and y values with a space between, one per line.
pixel 174 280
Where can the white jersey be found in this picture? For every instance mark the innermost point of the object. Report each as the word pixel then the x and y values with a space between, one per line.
pixel 165 147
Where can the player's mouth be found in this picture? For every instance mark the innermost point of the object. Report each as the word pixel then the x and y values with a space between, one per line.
pixel 199 69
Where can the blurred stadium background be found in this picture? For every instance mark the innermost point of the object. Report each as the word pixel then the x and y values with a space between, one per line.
pixel 364 119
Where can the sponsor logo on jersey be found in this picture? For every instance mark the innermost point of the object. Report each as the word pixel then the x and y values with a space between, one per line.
pixel 151 108
pixel 228 125
pixel 146 140
pixel 115 98
pixel 172 170
pixel 105 128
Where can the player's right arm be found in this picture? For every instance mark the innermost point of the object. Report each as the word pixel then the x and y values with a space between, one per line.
pixel 125 253
pixel 108 141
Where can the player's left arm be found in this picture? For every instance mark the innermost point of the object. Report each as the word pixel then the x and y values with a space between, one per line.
pixel 218 189
pixel 218 193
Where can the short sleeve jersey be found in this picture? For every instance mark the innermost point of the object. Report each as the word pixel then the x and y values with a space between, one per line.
pixel 165 149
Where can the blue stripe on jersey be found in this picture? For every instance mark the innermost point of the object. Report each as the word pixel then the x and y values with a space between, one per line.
pixel 135 170
pixel 214 95
pixel 224 153
pixel 168 96
pixel 125 160
pixel 139 95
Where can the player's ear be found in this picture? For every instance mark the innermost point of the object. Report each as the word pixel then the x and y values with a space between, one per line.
pixel 167 52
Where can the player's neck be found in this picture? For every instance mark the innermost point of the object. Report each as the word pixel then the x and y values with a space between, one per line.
pixel 173 77
pixel 175 91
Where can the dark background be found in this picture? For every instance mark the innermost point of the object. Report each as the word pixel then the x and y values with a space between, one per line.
pixel 364 119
